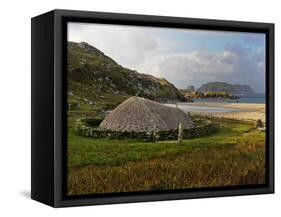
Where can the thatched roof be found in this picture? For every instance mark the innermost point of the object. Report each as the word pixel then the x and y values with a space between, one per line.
pixel 143 115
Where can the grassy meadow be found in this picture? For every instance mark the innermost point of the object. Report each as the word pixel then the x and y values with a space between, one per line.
pixel 235 155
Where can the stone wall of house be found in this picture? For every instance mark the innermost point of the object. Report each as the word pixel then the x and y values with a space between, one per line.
pixel 83 129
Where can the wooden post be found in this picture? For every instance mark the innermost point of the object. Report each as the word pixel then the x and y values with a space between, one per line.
pixel 154 136
pixel 259 123
pixel 180 134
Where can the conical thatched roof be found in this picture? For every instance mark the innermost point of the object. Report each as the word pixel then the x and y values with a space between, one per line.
pixel 143 115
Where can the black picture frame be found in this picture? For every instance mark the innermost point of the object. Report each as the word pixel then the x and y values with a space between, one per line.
pixel 48 147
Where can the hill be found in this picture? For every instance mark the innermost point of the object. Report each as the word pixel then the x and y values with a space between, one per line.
pixel 225 87
pixel 92 74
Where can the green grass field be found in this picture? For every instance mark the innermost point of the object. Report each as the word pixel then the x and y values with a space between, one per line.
pixel 235 155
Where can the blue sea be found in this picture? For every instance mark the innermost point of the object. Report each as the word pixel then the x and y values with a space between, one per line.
pixel 244 98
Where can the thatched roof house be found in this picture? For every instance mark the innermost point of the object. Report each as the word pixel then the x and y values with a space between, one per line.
pixel 142 115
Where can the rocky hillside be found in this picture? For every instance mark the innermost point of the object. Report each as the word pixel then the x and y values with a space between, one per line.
pixel 91 70
pixel 225 87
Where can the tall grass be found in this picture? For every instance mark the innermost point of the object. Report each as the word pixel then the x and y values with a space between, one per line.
pixel 233 156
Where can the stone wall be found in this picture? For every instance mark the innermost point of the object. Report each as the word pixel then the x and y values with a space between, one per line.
pixel 83 129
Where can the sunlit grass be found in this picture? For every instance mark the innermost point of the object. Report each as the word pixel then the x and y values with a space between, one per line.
pixel 235 155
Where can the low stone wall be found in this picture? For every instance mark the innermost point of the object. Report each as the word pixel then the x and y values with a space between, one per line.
pixel 82 129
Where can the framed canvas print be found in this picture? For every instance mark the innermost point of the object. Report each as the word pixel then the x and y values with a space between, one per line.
pixel 133 108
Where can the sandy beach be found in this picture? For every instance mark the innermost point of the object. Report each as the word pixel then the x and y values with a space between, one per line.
pixel 245 111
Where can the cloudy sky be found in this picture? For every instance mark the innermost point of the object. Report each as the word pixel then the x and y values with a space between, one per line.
pixel 183 57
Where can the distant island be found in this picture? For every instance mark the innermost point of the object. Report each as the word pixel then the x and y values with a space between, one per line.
pixel 225 87
pixel 218 90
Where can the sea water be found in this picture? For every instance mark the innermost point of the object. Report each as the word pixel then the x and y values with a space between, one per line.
pixel 188 107
pixel 215 105
pixel 244 98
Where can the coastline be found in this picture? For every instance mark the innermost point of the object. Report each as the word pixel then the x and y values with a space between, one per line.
pixel 242 111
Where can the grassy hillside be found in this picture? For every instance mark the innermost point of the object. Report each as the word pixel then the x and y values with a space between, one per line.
pixel 93 75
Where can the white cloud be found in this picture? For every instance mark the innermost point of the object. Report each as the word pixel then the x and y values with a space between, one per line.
pixel 190 68
pixel 128 46
pixel 199 67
